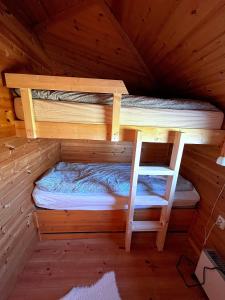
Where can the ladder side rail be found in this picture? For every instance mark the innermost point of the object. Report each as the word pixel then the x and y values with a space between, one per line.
pixel 133 188
pixel 175 162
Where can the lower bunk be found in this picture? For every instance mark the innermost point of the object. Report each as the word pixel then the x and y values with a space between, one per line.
pixel 77 200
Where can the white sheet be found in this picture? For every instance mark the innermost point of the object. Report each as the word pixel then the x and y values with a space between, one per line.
pixel 103 201
pixel 102 186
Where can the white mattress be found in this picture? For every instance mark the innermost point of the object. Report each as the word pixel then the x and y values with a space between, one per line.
pixel 76 186
pixel 101 201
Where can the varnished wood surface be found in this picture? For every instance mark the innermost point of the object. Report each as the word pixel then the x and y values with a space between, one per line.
pixel 7 127
pixel 199 165
pixel 61 222
pixel 20 48
pixel 22 161
pixel 180 43
pixel 102 114
pixel 102 132
pixel 57 266
pixel 105 151
pixel 77 84
pixel 88 39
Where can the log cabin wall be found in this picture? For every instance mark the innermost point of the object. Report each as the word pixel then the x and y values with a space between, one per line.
pixel 101 151
pixel 21 163
pixel 199 166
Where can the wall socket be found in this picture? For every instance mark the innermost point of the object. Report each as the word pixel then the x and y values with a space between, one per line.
pixel 220 222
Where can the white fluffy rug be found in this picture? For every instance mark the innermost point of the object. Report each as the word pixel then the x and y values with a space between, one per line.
pixel 104 289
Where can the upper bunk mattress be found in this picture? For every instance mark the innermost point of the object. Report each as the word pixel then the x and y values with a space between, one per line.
pixel 102 186
pixel 126 101
pixel 92 108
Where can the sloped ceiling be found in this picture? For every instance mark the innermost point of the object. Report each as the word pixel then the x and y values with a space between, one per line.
pixel 19 48
pixel 156 46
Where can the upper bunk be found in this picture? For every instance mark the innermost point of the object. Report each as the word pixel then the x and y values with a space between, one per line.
pixel 100 109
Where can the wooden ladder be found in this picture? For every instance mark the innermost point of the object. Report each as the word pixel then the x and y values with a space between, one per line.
pixel 165 202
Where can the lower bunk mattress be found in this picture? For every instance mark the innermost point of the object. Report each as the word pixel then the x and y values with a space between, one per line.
pixel 103 186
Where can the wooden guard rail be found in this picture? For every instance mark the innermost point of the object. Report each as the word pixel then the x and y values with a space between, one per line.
pixel 27 82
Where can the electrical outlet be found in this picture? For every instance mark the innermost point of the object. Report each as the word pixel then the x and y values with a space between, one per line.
pixel 220 222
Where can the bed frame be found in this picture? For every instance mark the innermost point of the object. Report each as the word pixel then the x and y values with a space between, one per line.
pixel 71 224
pixel 33 128
pixel 111 129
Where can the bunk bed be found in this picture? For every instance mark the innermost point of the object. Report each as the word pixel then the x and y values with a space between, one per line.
pixel 44 118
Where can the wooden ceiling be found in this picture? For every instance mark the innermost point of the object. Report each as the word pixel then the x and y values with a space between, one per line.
pixel 166 46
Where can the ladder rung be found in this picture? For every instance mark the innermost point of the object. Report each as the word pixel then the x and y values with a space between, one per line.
pixel 155 170
pixel 150 200
pixel 146 226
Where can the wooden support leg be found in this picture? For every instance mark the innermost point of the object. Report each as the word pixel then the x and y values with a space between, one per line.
pixel 175 162
pixel 28 111
pixel 133 188
pixel 115 133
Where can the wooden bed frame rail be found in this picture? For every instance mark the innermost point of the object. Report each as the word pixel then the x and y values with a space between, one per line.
pixel 32 128
pixel 26 82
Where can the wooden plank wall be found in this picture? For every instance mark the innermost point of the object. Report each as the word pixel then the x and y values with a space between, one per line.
pixel 101 151
pixel 7 127
pixel 21 163
pixel 199 166
pixel 182 43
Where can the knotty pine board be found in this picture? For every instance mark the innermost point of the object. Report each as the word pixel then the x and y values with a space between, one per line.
pixel 199 166
pixel 104 151
pixel 7 127
pixel 22 161
pixel 52 222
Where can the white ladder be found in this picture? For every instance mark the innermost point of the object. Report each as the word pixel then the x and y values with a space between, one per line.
pixel 165 202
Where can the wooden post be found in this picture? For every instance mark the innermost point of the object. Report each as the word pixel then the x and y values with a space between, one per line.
pixel 28 111
pixel 133 188
pixel 115 133
pixel 221 159
pixel 175 162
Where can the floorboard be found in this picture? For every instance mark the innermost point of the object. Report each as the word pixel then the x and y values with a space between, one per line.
pixel 144 273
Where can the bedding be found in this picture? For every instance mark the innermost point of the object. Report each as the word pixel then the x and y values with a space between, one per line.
pixel 102 186
pixel 127 100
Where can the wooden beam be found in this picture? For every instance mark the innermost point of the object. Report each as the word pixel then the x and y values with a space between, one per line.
pixel 28 111
pixel 75 84
pixel 133 188
pixel 115 135
pixel 127 133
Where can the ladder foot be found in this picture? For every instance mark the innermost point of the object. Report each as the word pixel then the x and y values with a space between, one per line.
pixel 128 240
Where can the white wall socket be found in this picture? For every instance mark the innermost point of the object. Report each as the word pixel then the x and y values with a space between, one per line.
pixel 220 222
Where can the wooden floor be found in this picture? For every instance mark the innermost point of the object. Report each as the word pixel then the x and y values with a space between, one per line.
pixel 57 266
